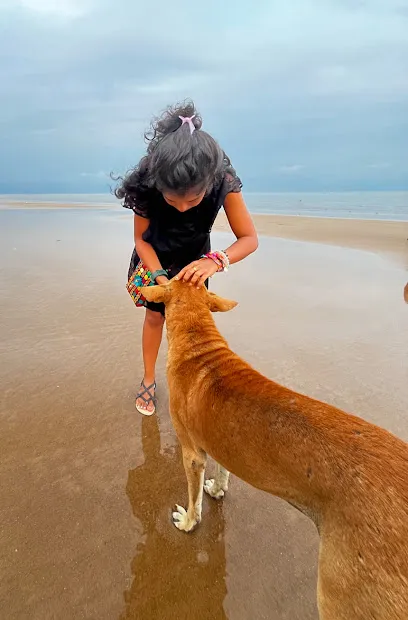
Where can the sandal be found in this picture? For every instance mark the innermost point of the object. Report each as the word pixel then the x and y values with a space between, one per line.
pixel 150 399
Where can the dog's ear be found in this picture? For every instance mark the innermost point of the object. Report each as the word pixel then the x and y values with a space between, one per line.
pixel 219 304
pixel 157 294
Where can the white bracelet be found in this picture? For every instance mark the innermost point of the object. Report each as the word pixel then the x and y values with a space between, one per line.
pixel 225 259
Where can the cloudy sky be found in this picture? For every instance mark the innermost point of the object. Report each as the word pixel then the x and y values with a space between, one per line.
pixel 302 94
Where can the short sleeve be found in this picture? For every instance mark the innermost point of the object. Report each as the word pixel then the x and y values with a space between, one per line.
pixel 230 183
pixel 137 205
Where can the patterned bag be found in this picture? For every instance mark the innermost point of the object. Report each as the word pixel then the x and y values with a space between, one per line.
pixel 139 278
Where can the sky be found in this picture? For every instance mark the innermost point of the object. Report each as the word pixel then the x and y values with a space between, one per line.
pixel 303 95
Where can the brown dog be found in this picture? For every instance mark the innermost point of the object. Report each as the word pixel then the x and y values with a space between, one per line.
pixel 350 477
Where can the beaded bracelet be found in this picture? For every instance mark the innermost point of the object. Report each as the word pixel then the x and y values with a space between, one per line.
pixel 220 258
pixel 225 259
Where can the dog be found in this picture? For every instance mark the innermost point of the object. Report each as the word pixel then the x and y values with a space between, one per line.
pixel 349 476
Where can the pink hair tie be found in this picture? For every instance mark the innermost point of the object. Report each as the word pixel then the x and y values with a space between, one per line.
pixel 189 121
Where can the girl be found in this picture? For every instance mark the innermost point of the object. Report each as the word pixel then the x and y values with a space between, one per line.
pixel 175 192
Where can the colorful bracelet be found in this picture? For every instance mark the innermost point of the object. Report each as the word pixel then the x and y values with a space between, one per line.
pixel 220 258
pixel 159 272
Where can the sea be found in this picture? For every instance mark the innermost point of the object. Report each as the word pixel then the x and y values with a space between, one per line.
pixel 390 206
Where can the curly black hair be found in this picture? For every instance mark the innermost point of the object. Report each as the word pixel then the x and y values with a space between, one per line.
pixel 176 160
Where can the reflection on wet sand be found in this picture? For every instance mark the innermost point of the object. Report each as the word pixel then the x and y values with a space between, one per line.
pixel 173 574
pixel 327 321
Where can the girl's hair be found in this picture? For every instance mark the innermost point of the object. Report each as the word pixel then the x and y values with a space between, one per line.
pixel 176 160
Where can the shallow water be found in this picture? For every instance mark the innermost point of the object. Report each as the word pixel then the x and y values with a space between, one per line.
pixel 88 485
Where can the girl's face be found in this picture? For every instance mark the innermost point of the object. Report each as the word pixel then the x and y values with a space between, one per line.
pixel 184 202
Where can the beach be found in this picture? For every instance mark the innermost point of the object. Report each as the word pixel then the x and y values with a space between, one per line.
pixel 89 485
pixel 373 235
pixel 390 238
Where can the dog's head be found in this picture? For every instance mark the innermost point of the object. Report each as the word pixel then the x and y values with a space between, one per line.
pixel 180 294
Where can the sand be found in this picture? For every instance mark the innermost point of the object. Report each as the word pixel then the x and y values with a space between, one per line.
pixel 390 238
pixel 88 485
pixel 387 237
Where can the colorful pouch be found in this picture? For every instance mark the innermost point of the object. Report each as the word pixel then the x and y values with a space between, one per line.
pixel 140 277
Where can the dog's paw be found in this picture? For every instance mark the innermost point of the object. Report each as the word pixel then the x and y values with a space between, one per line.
pixel 182 521
pixel 212 489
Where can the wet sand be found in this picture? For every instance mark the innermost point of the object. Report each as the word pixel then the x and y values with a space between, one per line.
pixel 88 484
pixel 381 236
pixel 390 238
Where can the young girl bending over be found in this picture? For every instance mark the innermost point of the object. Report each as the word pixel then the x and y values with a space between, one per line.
pixel 176 192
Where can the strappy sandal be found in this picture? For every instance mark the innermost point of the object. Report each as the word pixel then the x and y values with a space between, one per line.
pixel 149 399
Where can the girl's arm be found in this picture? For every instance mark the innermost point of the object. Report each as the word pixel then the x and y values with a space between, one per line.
pixel 144 250
pixel 247 242
pixel 242 226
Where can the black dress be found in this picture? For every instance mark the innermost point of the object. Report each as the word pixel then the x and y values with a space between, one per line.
pixel 180 238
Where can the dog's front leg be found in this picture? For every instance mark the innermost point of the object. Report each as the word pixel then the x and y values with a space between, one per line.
pixel 194 463
pixel 217 486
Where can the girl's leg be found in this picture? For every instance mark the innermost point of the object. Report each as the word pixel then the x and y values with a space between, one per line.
pixel 151 341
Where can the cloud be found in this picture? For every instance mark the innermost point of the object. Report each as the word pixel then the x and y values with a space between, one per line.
pixel 65 8
pixel 95 175
pixel 292 169
pixel 57 9
pixel 379 166
pixel 312 81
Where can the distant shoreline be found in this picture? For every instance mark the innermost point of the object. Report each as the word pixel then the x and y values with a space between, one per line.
pixel 386 237
pixel 27 205
pixel 43 205
pixel 357 205
pixel 9 205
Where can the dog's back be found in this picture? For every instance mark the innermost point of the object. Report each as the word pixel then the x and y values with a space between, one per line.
pixel 348 475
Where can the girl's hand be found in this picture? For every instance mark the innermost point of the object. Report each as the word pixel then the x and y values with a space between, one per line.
pixel 196 273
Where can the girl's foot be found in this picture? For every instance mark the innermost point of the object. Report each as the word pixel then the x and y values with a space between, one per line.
pixel 145 399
